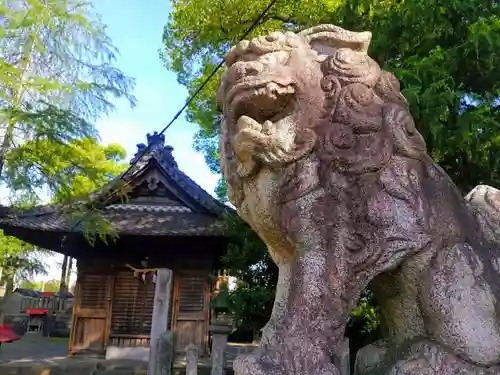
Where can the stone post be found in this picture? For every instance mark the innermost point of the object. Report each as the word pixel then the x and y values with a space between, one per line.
pixel 165 350
pixel 220 328
pixel 191 360
pixel 159 325
pixel 342 358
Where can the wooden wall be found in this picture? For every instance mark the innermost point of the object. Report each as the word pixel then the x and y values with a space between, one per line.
pixel 91 313
pixel 191 312
pixel 132 310
pixel 114 308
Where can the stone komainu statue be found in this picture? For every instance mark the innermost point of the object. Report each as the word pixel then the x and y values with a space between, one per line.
pixel 323 160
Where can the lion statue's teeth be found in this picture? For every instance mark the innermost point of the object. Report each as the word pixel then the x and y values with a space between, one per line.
pixel 274 90
pixel 267 127
pixel 248 123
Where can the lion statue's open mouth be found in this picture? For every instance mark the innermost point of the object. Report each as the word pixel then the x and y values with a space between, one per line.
pixel 257 82
pixel 260 98
pixel 260 95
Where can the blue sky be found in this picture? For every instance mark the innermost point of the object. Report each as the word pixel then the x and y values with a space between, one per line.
pixel 136 28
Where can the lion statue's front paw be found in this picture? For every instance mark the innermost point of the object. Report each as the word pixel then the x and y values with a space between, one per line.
pixel 249 364
pixel 270 334
pixel 285 361
pixel 426 357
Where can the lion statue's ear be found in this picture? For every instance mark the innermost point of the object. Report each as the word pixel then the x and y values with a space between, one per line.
pixel 325 39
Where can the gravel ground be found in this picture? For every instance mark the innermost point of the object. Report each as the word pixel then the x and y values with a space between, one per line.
pixel 33 347
pixel 33 354
pixel 36 351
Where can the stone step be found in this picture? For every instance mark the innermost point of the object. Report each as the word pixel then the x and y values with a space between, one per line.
pixel 121 365
pixel 18 370
pixel 115 372
pixel 182 371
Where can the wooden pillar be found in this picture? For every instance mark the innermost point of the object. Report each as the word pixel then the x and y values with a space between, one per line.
pixel 159 324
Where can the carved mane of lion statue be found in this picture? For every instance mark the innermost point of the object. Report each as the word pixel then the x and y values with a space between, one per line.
pixel 323 161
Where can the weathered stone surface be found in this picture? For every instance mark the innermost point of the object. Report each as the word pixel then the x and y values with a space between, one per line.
pixel 220 328
pixel 165 352
pixel 161 340
pixel 369 358
pixel 341 358
pixel 427 357
pixel 191 360
pixel 323 160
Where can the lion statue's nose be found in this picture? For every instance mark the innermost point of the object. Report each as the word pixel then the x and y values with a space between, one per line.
pixel 242 69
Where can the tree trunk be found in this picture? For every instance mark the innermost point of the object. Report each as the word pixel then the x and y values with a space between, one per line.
pixel 7 142
pixel 25 65
pixel 62 284
pixel 9 289
pixel 68 273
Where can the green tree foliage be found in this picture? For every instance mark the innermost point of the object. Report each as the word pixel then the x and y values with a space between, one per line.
pixel 70 178
pixel 32 285
pixel 56 78
pixel 445 53
pixel 251 302
pixel 42 286
pixel 67 174
pixel 50 286
pixel 18 260
pixel 364 326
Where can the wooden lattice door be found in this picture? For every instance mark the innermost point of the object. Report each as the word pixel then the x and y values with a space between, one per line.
pixel 191 311
pixel 132 305
pixel 90 327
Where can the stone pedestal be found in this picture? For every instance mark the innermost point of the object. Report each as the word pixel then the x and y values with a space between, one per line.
pixel 220 328
pixel 191 360
pixel 165 353
pixel 342 358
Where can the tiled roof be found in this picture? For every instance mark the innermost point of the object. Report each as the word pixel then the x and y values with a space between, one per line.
pixel 132 220
pixel 36 294
pixel 177 219
pixel 163 156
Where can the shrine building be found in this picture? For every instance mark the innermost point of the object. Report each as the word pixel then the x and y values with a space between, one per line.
pixel 165 220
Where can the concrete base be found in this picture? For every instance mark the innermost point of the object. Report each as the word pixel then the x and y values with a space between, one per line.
pixel 138 353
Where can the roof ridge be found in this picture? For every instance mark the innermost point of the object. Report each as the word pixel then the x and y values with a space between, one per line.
pixel 162 154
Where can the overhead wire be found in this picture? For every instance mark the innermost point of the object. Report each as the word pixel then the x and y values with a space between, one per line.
pixel 143 152
pixel 205 82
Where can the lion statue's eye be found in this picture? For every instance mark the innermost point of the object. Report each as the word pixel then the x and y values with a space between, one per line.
pixel 273 37
pixel 275 58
